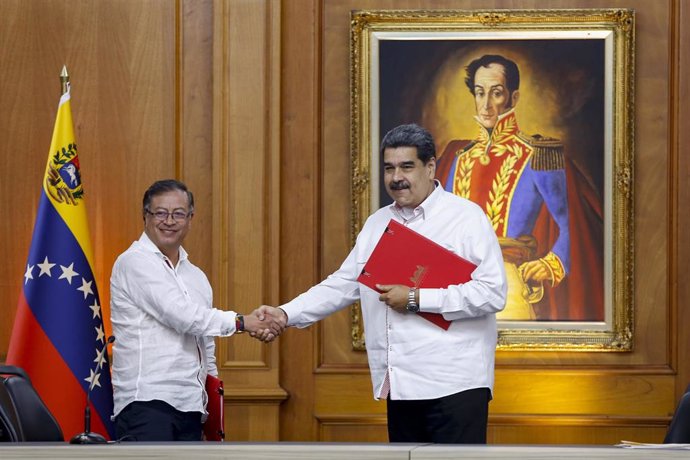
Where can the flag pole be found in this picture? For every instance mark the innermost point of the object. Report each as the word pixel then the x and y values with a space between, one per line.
pixel 64 79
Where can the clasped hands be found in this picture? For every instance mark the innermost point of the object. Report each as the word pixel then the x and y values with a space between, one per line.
pixel 265 323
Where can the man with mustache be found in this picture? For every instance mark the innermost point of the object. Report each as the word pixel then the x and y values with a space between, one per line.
pixel 437 383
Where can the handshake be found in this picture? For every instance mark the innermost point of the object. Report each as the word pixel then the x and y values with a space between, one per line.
pixel 265 323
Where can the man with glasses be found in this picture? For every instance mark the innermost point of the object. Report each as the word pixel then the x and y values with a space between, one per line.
pixel 164 321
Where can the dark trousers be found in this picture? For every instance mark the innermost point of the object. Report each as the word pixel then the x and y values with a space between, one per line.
pixel 157 421
pixel 460 418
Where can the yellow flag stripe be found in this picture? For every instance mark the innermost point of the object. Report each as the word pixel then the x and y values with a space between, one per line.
pixel 74 215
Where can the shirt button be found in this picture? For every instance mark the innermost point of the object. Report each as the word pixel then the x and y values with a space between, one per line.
pixel 390 348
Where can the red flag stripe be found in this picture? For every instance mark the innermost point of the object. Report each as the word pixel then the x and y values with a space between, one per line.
pixel 57 396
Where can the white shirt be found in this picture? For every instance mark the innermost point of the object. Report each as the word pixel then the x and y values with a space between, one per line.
pixel 422 360
pixel 164 323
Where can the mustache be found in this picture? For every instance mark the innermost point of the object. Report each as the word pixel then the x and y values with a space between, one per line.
pixel 399 185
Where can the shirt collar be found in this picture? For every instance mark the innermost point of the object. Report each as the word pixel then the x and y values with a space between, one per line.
pixel 146 242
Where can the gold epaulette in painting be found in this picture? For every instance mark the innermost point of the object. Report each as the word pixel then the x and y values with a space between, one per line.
pixel 547 153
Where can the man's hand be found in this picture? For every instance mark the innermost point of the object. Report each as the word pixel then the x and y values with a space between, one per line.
pixel 535 270
pixel 394 295
pixel 267 323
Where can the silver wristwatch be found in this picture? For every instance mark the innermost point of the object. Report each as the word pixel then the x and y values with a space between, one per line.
pixel 412 304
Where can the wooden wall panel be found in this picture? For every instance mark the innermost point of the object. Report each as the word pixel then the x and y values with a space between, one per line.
pixel 194 120
pixel 246 199
pixel 120 56
pixel 143 105
pixel 680 194
pixel 300 216
pixel 571 430
pixel 344 429
pixel 564 396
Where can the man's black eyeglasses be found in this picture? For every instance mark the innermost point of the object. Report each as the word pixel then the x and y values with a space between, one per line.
pixel 178 216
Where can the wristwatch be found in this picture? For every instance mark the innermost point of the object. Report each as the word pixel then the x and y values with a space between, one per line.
pixel 412 304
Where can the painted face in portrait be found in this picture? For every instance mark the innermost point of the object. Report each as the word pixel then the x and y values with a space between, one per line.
pixel 491 95
pixel 408 181
pixel 168 220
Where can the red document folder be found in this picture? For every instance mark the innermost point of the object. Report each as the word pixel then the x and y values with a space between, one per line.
pixel 214 425
pixel 403 256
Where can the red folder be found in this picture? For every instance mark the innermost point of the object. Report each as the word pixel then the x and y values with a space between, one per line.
pixel 214 425
pixel 403 256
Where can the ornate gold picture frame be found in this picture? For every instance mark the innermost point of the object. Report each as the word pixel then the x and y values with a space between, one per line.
pixel 575 111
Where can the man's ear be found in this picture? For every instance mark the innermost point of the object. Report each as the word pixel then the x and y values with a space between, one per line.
pixel 431 164
pixel 514 97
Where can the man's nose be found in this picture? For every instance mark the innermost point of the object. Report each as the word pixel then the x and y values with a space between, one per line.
pixel 397 174
pixel 485 103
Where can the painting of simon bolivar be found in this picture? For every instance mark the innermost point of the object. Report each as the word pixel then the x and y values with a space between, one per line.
pixel 519 127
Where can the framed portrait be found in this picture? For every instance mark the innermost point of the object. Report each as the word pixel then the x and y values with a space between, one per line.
pixel 532 117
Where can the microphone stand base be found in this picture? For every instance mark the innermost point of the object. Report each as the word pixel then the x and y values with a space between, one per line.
pixel 88 438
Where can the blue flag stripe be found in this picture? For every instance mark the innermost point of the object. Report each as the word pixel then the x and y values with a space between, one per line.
pixel 63 311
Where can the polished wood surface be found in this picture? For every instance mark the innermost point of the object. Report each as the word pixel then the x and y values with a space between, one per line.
pixel 328 451
pixel 248 102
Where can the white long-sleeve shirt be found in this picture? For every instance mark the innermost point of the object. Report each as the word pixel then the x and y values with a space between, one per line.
pixel 164 324
pixel 422 360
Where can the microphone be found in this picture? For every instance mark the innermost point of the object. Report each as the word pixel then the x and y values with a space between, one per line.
pixel 87 437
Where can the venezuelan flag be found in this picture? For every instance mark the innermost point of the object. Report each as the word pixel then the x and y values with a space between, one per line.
pixel 58 335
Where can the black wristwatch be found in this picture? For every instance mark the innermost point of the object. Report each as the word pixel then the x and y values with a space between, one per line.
pixel 412 304
pixel 239 324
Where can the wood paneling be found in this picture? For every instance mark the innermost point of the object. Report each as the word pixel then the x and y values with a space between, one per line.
pixel 368 428
pixel 540 397
pixel 300 223
pixel 566 430
pixel 246 199
pixel 143 102
pixel 194 119
pixel 680 194
pixel 248 102
pixel 120 56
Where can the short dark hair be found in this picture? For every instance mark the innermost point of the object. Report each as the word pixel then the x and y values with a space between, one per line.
pixel 163 186
pixel 511 70
pixel 411 135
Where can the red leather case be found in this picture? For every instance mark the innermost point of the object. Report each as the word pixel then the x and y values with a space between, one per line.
pixel 403 256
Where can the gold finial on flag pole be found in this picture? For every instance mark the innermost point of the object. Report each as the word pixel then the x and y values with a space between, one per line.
pixel 64 79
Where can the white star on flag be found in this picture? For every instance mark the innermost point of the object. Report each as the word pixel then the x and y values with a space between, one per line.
pixel 68 272
pixel 95 308
pixel 93 379
pixel 28 275
pixel 99 331
pixel 100 357
pixel 45 267
pixel 85 287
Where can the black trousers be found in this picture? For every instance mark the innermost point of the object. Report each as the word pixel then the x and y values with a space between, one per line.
pixel 157 421
pixel 460 418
